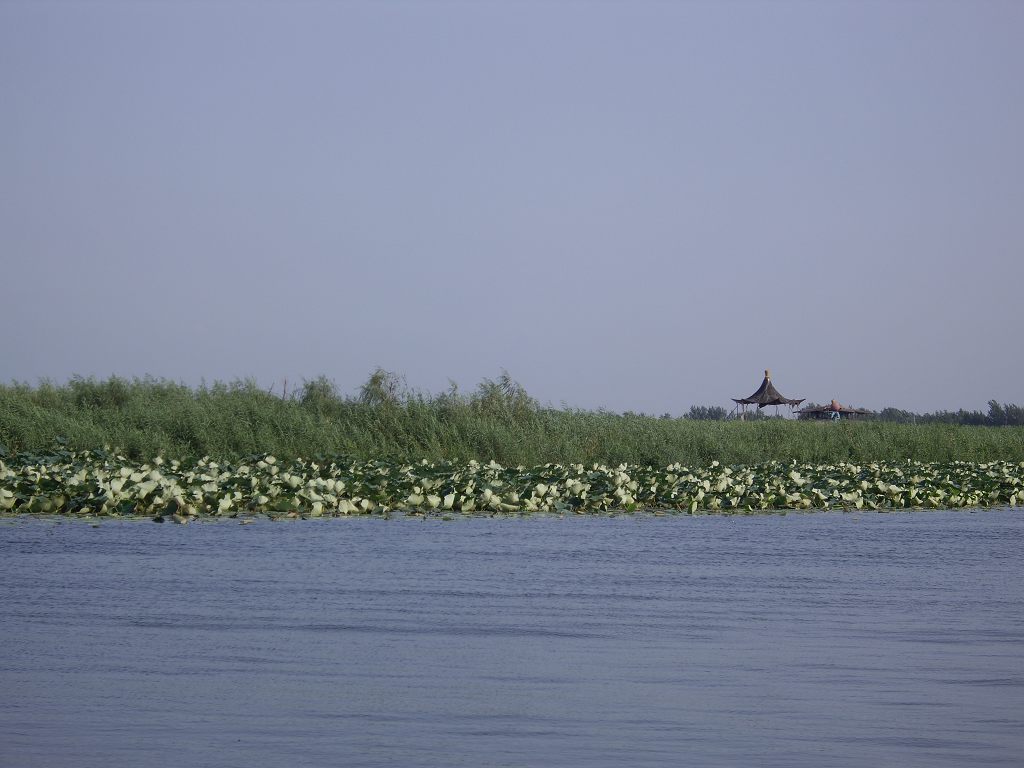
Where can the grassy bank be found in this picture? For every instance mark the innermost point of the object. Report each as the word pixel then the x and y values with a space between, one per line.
pixel 498 421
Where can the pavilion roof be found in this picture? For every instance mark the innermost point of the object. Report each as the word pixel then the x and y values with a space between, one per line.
pixel 767 394
pixel 836 407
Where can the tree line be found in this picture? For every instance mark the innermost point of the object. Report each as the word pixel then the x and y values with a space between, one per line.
pixel 998 415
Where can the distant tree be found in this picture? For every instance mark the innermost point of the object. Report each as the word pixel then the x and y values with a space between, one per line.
pixel 707 413
pixel 1005 415
pixel 1014 415
pixel 996 413
pixel 383 388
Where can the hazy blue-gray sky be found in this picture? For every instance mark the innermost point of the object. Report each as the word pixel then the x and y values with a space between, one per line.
pixel 630 205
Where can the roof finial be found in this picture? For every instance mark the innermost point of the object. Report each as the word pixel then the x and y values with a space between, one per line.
pixel 767 373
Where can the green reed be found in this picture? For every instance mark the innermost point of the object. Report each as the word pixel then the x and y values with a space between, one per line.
pixel 147 417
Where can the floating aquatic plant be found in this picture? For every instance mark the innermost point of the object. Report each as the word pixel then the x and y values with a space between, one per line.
pixel 103 483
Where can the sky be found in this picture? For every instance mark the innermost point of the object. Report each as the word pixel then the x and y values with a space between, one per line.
pixel 636 206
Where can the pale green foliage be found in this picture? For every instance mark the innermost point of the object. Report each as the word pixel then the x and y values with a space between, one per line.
pixel 107 484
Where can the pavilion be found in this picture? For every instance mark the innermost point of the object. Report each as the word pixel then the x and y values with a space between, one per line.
pixel 766 394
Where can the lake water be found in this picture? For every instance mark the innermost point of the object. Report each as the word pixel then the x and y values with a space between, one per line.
pixel 823 639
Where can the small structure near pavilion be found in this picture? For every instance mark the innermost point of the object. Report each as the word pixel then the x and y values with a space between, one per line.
pixel 766 394
pixel 835 411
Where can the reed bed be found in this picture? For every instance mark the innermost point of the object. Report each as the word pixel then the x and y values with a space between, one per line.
pixel 146 418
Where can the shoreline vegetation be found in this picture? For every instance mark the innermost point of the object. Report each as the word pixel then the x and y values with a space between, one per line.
pixel 498 421
pixel 101 484
pixel 494 451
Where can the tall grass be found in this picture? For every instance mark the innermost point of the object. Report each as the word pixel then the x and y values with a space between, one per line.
pixel 146 417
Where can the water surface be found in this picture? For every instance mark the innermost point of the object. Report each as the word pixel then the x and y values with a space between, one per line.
pixel 822 639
